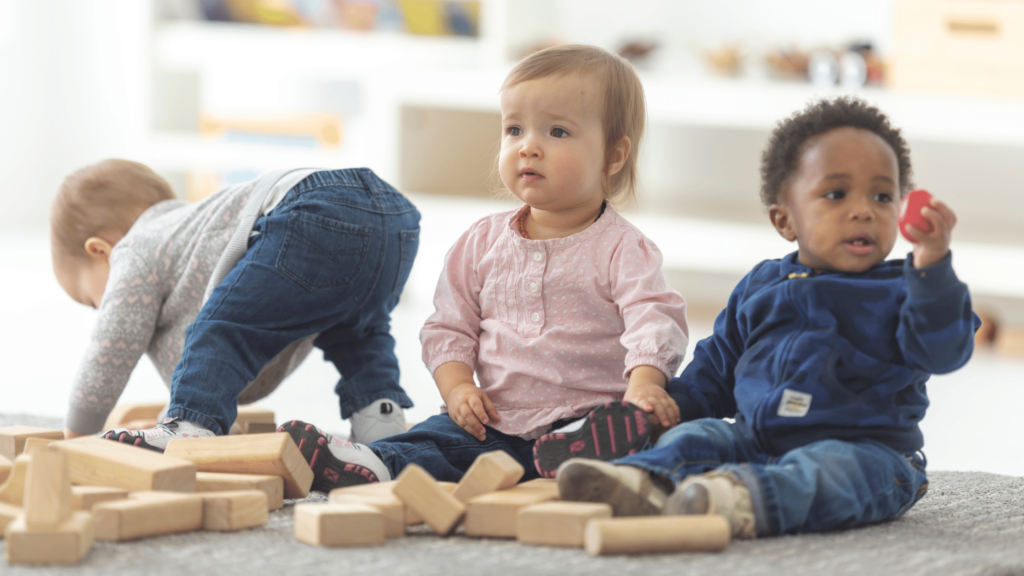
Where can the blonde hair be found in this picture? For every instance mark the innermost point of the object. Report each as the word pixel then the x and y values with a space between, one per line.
pixel 105 197
pixel 624 109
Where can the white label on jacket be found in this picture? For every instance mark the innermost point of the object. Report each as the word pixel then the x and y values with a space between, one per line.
pixel 794 404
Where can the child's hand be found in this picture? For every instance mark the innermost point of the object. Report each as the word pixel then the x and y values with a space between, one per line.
pixel 647 390
pixel 933 246
pixel 470 407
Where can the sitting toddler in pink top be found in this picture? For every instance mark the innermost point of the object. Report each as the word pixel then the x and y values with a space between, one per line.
pixel 558 307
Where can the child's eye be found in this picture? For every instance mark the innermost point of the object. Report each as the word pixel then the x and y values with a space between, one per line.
pixel 836 195
pixel 513 131
pixel 883 197
pixel 559 133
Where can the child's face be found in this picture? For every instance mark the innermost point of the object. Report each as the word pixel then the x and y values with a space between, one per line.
pixel 84 280
pixel 552 145
pixel 841 206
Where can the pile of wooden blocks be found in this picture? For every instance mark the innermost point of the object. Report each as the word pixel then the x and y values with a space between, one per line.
pixel 57 496
pixel 489 503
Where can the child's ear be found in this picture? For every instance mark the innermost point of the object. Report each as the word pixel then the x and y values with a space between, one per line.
pixel 780 217
pixel 618 155
pixel 98 249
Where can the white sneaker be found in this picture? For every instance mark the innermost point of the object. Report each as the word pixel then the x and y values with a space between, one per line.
pixel 380 419
pixel 716 493
pixel 158 437
pixel 341 464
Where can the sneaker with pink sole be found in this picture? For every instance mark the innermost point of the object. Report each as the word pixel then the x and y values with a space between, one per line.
pixel 335 463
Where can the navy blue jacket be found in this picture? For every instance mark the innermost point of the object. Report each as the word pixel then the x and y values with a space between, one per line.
pixel 798 356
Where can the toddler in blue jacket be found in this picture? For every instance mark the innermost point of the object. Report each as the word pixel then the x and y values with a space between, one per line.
pixel 820 357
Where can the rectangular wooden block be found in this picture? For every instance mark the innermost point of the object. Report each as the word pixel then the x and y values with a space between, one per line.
pixel 8 514
pixel 228 511
pixel 254 420
pixel 272 486
pixel 12 438
pixel 339 525
pixel 657 534
pixel 33 444
pixel 273 454
pixel 66 543
pixel 259 428
pixel 490 471
pixel 558 523
pixel 98 462
pixel 439 509
pixel 148 514
pixel 13 490
pixel 85 497
pixel 123 414
pixel 5 469
pixel 47 501
pixel 387 504
pixel 495 515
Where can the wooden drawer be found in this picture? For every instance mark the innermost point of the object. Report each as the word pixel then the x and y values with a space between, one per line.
pixel 960 46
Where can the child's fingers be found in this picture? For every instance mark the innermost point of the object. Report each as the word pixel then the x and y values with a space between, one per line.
pixel 661 411
pixel 673 411
pixel 472 425
pixel 478 409
pixel 947 213
pixel 937 220
pixel 492 411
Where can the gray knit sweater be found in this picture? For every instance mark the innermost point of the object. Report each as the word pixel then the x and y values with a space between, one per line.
pixel 159 274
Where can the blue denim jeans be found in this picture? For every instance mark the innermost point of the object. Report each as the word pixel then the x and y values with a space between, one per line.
pixel 445 450
pixel 821 486
pixel 330 259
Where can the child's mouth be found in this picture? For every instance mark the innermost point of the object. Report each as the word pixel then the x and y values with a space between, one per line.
pixel 860 246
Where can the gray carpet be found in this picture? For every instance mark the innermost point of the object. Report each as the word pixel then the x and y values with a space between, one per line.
pixel 969 523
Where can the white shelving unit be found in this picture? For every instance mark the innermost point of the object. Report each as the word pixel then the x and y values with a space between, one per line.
pixel 395 72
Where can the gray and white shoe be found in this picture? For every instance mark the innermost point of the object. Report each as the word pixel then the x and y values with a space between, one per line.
pixel 718 493
pixel 631 491
pixel 158 437
pixel 335 462
pixel 380 419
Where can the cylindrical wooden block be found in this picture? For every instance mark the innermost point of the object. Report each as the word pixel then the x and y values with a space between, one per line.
pixel 656 534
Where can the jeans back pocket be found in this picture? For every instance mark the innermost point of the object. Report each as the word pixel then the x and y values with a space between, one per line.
pixel 409 241
pixel 321 253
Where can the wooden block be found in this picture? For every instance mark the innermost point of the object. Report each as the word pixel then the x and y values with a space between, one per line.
pixel 85 497
pixel 495 515
pixel 274 454
pixel 656 534
pixel 490 471
pixel 238 510
pixel 98 462
pixel 139 424
pixel 13 491
pixel 67 543
pixel 387 504
pixel 272 486
pixel 47 500
pixel 33 444
pixel 248 415
pixel 558 523
pixel 339 525
pixel 439 509
pixel 123 414
pixel 5 469
pixel 12 438
pixel 8 514
pixel 148 514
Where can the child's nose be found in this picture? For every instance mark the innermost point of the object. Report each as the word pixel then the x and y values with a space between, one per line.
pixel 530 149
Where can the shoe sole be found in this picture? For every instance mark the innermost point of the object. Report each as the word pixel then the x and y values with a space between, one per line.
pixel 586 484
pixel 611 431
pixel 329 472
pixel 138 441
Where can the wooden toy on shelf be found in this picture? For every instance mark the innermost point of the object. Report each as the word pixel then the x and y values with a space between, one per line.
pixel 273 454
pixel 339 525
pixel 48 530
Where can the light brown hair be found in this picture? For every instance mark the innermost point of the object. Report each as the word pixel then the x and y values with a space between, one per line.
pixel 102 198
pixel 624 110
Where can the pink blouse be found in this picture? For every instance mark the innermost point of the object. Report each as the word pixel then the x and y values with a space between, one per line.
pixel 554 327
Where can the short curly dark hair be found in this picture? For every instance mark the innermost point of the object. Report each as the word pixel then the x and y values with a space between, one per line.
pixel 781 158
